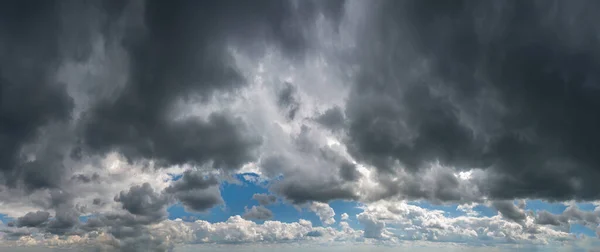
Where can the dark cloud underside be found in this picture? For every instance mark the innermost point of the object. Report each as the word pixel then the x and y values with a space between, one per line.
pixel 29 96
pixel 507 86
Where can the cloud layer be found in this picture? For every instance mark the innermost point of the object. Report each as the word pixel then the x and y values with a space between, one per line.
pixel 111 112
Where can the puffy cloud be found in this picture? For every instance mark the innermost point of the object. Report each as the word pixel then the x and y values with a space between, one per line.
pixel 258 213
pixel 193 180
pixel 144 201
pixel 345 216
pixel 324 211
pixel 399 220
pixel 198 192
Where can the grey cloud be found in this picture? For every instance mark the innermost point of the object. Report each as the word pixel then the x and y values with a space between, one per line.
pixel 273 165
pixel 85 178
pixel 257 213
pixel 300 191
pixel 348 171
pixel 177 51
pixel 92 224
pixel 196 191
pixel 572 214
pixel 199 201
pixel 509 210
pixel 287 101
pixel 144 201
pixel 130 231
pixel 505 87
pixel 438 185
pixel 193 180
pixel 264 199
pixel 97 201
pixel 373 227
pixel 589 219
pixel 33 219
pixel 30 98
pixel 180 53
pixel 332 118
pixel 65 220
pixel 311 172
pixel 546 218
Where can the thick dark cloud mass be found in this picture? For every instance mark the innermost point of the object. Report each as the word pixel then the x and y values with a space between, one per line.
pixel 258 213
pixel 181 54
pixel 33 219
pixel 175 52
pixel 509 87
pixel 29 96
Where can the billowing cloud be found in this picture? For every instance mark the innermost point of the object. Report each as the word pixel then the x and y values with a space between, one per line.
pixel 143 200
pixel 506 88
pixel 258 213
pixel 113 111
pixel 324 211
pixel 196 191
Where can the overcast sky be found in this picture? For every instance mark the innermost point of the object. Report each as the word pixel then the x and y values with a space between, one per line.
pixel 299 125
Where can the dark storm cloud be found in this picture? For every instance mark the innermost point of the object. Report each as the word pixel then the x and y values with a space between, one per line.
pixel 258 213
pixel 197 192
pixel 181 54
pixel 178 52
pixel 264 199
pixel 509 87
pixel 29 97
pixel 33 219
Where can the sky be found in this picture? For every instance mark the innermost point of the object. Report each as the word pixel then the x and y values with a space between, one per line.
pixel 299 125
